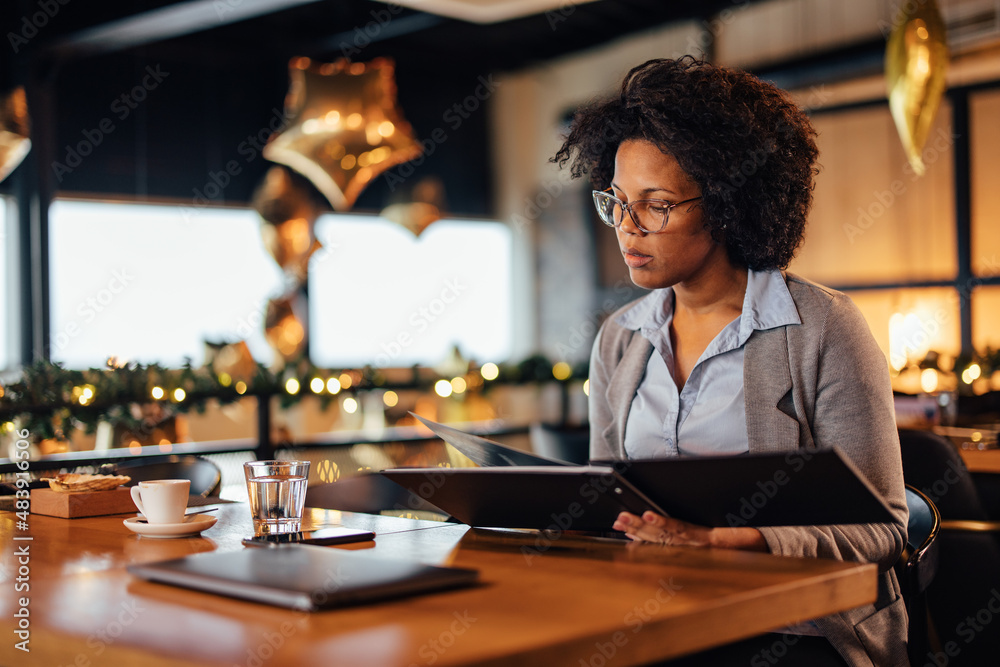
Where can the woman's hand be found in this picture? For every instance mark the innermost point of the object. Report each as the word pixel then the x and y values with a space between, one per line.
pixel 652 527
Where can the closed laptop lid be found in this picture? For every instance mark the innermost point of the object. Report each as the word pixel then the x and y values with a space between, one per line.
pixel 302 576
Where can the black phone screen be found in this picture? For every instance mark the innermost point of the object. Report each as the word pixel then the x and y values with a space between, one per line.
pixel 334 535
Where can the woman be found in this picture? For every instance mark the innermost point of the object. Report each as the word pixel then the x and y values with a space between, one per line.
pixel 706 174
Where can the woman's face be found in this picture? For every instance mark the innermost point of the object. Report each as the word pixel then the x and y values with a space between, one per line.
pixel 684 250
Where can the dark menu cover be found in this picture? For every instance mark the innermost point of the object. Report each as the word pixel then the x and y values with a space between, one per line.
pixel 806 487
pixel 586 498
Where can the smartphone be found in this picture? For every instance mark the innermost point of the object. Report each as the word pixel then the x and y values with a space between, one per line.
pixel 335 535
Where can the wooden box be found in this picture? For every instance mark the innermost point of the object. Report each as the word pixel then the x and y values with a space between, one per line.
pixel 82 503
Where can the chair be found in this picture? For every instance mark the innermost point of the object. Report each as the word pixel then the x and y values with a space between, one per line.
pixel 916 569
pixel 968 547
pixel 369 492
pixel 564 443
pixel 205 476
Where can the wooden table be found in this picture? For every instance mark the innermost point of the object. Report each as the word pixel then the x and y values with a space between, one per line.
pixel 985 460
pixel 572 601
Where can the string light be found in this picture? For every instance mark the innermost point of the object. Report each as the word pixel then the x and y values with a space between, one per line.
pixel 84 394
pixel 971 373
pixel 109 385
pixel 928 380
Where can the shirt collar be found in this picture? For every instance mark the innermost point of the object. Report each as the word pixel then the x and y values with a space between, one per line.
pixel 768 304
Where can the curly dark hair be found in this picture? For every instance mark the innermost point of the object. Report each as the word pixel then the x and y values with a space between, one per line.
pixel 743 141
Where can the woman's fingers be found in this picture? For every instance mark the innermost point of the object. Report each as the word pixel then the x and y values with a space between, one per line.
pixel 652 527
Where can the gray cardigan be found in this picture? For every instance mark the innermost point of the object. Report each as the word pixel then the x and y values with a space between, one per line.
pixel 820 383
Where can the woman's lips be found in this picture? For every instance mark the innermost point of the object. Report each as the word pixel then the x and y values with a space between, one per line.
pixel 635 259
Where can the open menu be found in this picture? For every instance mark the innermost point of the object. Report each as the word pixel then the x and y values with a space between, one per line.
pixel 806 487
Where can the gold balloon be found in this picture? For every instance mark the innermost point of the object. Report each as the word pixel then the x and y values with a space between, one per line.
pixel 283 329
pixel 916 60
pixel 14 127
pixel 289 216
pixel 423 206
pixel 415 216
pixel 345 127
pixel 232 359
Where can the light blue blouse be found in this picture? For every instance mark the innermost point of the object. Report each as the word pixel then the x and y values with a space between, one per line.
pixel 708 416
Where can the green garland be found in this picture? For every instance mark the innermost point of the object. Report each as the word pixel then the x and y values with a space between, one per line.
pixel 51 401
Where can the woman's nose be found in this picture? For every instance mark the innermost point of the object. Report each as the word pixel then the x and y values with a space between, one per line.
pixel 628 226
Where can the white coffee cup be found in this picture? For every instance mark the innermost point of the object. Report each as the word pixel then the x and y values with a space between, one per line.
pixel 162 500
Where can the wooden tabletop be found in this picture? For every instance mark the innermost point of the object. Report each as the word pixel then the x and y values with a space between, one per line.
pixel 985 460
pixel 541 602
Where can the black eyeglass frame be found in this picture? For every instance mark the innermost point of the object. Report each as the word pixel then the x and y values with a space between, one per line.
pixel 667 205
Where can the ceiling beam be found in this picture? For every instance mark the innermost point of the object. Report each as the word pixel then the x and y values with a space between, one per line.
pixel 397 27
pixel 156 25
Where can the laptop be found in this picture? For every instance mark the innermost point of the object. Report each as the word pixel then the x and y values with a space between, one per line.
pixel 303 577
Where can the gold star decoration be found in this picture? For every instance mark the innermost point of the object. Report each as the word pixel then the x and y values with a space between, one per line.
pixel 344 127
pixel 916 58
pixel 14 140
pixel 288 217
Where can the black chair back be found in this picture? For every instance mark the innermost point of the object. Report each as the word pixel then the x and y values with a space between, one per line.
pixel 932 465
pixel 917 567
pixel 563 443
pixel 205 476
pixel 370 493
pixel 968 568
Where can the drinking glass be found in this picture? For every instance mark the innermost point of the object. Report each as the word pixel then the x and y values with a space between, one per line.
pixel 277 493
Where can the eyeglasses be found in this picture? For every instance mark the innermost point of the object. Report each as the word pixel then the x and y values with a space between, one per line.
pixel 649 215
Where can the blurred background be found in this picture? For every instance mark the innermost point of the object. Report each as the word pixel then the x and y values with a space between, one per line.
pixel 288 223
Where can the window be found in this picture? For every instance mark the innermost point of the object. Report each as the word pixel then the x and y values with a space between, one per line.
pixel 146 283
pixel 874 222
pixel 984 108
pixel 7 283
pixel 873 219
pixel 151 283
pixel 380 296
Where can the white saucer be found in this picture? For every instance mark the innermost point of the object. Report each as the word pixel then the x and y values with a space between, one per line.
pixel 192 525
